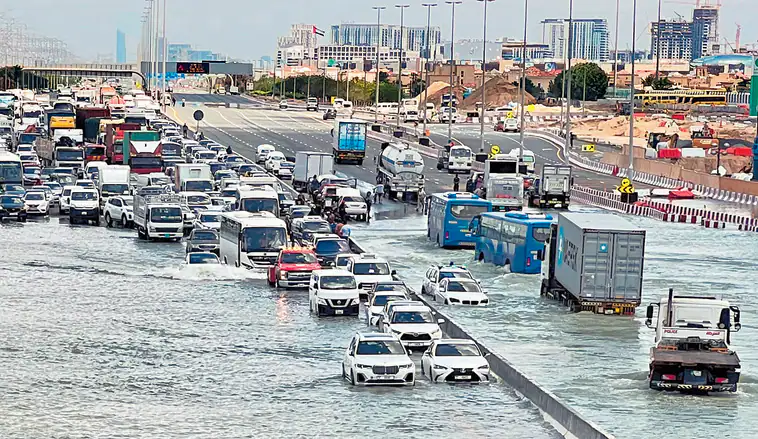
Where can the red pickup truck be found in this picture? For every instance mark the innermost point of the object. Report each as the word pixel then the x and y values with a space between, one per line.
pixel 293 268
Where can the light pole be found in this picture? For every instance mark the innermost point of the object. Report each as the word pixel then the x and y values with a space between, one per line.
pixel 631 96
pixel 452 3
pixel 616 54
pixel 164 54
pixel 658 43
pixel 568 70
pixel 523 86
pixel 155 44
pixel 378 44
pixel 400 63
pixel 428 7
pixel 484 76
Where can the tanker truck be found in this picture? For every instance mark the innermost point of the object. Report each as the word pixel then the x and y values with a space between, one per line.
pixel 401 171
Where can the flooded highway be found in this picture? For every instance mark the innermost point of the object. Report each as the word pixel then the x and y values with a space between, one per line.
pixel 104 335
pixel 599 364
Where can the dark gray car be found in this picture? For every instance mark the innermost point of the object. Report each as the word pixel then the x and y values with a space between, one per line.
pixel 203 240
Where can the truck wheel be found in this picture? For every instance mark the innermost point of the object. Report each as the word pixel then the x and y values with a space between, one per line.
pixel 108 220
pixel 140 233
pixel 360 162
pixel 481 257
pixel 97 221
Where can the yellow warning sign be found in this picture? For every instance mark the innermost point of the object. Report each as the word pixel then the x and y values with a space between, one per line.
pixel 509 114
pixel 588 147
pixel 530 108
pixel 494 150
pixel 626 186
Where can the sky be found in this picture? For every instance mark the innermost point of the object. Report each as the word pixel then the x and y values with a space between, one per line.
pixel 248 29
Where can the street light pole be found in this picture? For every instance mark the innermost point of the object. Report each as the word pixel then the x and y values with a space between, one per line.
pixel 616 53
pixel 452 3
pixel 523 86
pixel 484 77
pixel 428 7
pixel 378 44
pixel 631 96
pixel 164 54
pixel 400 63
pixel 658 43
pixel 568 70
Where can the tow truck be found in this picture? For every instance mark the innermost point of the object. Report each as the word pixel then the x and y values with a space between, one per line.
pixel 293 267
pixel 692 338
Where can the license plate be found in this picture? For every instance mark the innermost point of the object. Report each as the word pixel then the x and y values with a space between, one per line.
pixel 415 344
pixel 338 312
pixel 166 235
pixel 386 377
pixel 463 377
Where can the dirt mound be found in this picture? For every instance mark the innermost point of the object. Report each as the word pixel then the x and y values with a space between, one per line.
pixel 436 96
pixel 500 92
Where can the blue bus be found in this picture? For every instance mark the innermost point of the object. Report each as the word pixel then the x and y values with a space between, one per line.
pixel 450 214
pixel 11 171
pixel 514 239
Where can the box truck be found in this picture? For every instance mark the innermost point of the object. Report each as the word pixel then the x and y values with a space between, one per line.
pixel 308 164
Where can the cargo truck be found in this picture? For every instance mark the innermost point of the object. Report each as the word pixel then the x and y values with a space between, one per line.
pixel 349 140
pixel 594 262
pixel 143 149
pixel 193 177
pixel 113 180
pixel 114 140
pixel 552 189
pixel 308 164
pixel 692 344
pixel 158 216
pixel 60 119
pixel 401 169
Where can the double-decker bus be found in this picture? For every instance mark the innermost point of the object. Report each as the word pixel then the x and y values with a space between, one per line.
pixel 449 216
pixel 512 239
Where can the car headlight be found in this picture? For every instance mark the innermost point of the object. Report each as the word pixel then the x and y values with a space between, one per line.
pixel 283 275
pixel 437 334
pixel 321 301
pixel 362 366
pixel 397 332
pixel 406 366
pixel 485 367
pixel 439 367
pixel 152 229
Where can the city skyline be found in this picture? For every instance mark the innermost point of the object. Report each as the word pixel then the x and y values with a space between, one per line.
pixel 260 32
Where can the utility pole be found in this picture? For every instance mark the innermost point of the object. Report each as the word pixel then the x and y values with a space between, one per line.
pixel 400 63
pixel 616 53
pixel 378 44
pixel 484 77
pixel 657 44
pixel 631 96
pixel 568 69
pixel 165 54
pixel 452 3
pixel 523 86
pixel 428 7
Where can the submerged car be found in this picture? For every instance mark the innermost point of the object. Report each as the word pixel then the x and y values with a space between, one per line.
pixel 201 258
pixel 377 359
pixel 12 206
pixel 203 240
pixel 455 361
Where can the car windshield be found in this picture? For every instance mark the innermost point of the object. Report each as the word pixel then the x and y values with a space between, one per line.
pixel 463 287
pixel 35 196
pixel 198 199
pixel 260 205
pixel 203 258
pixel 391 287
pixel 380 347
pixel 166 214
pixel 541 233
pixel 83 196
pixel 64 154
pixel 198 186
pixel 412 317
pixel 209 218
pixel 255 239
pixel 353 199
pixel 53 185
pixel 382 300
pixel 457 350
pixel 298 258
pixel 128 201
pixel 205 235
pixel 466 211
pixel 316 226
pixel 338 283
pixel 460 152
pixel 31 170
pixel 116 188
pixel 13 188
pixel 452 274
pixel 10 200
pixel 235 159
pixel 332 246
pixel 231 193
pixel 299 213
pixel 371 268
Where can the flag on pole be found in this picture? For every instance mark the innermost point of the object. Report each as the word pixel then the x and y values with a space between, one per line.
pixel 318 31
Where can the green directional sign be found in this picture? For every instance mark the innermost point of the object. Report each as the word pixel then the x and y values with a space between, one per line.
pixel 331 62
pixel 754 89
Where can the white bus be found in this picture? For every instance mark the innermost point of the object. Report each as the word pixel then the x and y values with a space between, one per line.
pixel 527 157
pixel 257 199
pixel 11 171
pixel 387 108
pixel 251 240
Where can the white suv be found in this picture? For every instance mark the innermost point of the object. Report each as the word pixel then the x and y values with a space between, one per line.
pixel 435 274
pixel 119 209
pixel 368 270
pixel 414 325
pixel 377 359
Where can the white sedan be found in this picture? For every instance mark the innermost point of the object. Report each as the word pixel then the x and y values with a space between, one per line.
pixel 461 291
pixel 455 361
pixel 37 203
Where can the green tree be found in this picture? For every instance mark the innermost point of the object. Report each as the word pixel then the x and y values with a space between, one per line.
pixel 531 88
pixel 589 74
pixel 387 92
pixel 662 83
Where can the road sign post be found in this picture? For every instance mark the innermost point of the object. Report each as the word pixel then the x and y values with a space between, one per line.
pixel 628 193
pixel 198 116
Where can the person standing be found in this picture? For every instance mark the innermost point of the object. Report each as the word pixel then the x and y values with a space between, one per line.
pixel 368 206
pixel 470 185
pixel 378 193
pixel 456 183
pixel 185 130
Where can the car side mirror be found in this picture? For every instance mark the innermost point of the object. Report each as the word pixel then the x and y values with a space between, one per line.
pixel 394 273
pixel 440 321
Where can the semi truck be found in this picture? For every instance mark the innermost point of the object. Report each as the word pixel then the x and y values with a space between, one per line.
pixel 308 164
pixel 401 170
pixel 349 140
pixel 504 185
pixel 552 189
pixel 144 151
pixel 158 216
pixel 594 263
pixel 692 350
pixel 193 177
pixel 114 140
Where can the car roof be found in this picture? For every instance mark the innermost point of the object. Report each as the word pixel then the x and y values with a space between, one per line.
pixel 335 272
pixel 368 258
pixel 456 341
pixel 403 307
pixel 404 302
pixel 380 336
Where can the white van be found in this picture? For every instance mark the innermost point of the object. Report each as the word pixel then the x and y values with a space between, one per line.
pixel 255 200
pixel 261 153
pixel 460 159
pixel 528 158
pixel 333 293
pixel 91 166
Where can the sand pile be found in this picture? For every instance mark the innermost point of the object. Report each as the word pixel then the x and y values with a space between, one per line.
pixel 500 92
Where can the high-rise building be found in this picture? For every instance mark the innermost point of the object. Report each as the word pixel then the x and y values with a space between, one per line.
pixel 414 37
pixel 705 31
pixel 589 35
pixel 513 50
pixel 120 46
pixel 675 39
pixel 298 46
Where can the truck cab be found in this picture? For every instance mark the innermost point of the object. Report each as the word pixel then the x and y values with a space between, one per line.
pixel 293 268
pixel 692 344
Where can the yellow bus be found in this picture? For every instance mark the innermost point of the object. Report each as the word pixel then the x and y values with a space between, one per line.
pixel 687 97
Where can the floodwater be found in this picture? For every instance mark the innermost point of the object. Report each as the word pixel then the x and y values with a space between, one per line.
pixel 596 363
pixel 103 335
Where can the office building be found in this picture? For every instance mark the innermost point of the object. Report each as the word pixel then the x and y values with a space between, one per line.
pixel 388 35
pixel 590 38
pixel 512 50
pixel 675 39
pixel 186 53
pixel 362 55
pixel 120 46
pixel 705 31
pixel 298 46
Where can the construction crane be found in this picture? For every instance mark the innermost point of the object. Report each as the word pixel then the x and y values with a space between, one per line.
pixel 737 38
